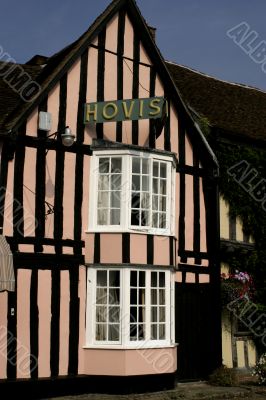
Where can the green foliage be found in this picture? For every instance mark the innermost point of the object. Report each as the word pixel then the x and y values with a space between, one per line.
pixel 260 370
pixel 249 210
pixel 204 125
pixel 223 376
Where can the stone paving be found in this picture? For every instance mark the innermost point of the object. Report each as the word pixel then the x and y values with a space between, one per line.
pixel 195 391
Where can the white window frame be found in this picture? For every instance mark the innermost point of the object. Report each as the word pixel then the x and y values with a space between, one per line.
pixel 125 225
pixel 125 342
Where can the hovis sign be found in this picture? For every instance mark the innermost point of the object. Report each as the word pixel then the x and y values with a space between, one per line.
pixel 122 110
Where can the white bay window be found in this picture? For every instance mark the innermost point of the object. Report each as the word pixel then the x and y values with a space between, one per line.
pixel 129 307
pixel 132 191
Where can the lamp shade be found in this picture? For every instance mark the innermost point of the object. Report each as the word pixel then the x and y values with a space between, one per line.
pixel 67 138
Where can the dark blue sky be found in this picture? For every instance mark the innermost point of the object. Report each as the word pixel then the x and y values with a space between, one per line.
pixel 189 32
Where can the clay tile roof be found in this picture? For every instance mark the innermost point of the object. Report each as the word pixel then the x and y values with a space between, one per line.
pixel 12 106
pixel 233 108
pixel 9 99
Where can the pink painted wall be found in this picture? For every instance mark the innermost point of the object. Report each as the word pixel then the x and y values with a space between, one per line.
pixel 50 191
pixel 110 92
pixel 111 245
pixel 144 58
pixel 53 106
pixel 159 91
pixel 85 203
pixel 90 131
pixel 89 248
pixel 44 306
pixel 161 250
pixel 64 322
pixel 111 34
pixel 73 78
pixel 129 362
pixel 203 239
pixel 144 79
pixel 28 196
pixel 189 151
pixel 82 316
pixel 32 124
pixel 110 84
pixel 23 323
pixel 129 39
pixel 189 213
pixel 3 334
pixel 174 130
pixel 69 195
pixel 8 211
pixel 127 93
pixel 138 249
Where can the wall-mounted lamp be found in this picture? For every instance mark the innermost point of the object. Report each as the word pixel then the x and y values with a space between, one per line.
pixel 67 137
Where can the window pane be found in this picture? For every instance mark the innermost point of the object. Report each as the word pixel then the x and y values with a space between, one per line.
pixel 115 199
pixel 116 182
pixel 162 186
pixel 153 296
pixel 101 314
pixel 145 183
pixel 114 278
pixel 114 314
pixel 102 217
pixel 113 333
pixel 145 201
pixel 103 199
pixel 154 279
pixel 155 187
pixel 135 182
pixel 141 296
pixel 101 296
pixel 162 203
pixel 145 218
pixel 155 203
pixel 101 332
pixel 162 220
pixel 162 296
pixel 101 278
pixel 141 314
pixel 116 165
pixel 115 217
pixel 145 166
pixel 133 314
pixel 133 296
pixel 133 278
pixel 153 331
pixel 155 220
pixel 155 168
pixel 163 170
pixel 135 200
pixel 141 331
pixel 161 279
pixel 133 332
pixel 103 182
pixel 141 278
pixel 162 314
pixel 162 332
pixel 153 314
pixel 114 296
pixel 136 165
pixel 135 217
pixel 104 165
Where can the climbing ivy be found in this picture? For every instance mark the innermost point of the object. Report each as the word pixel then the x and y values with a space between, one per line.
pixel 249 210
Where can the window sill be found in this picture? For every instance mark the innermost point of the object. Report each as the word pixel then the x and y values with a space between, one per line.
pixel 136 231
pixel 130 347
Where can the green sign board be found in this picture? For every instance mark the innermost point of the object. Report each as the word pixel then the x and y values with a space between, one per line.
pixel 125 110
